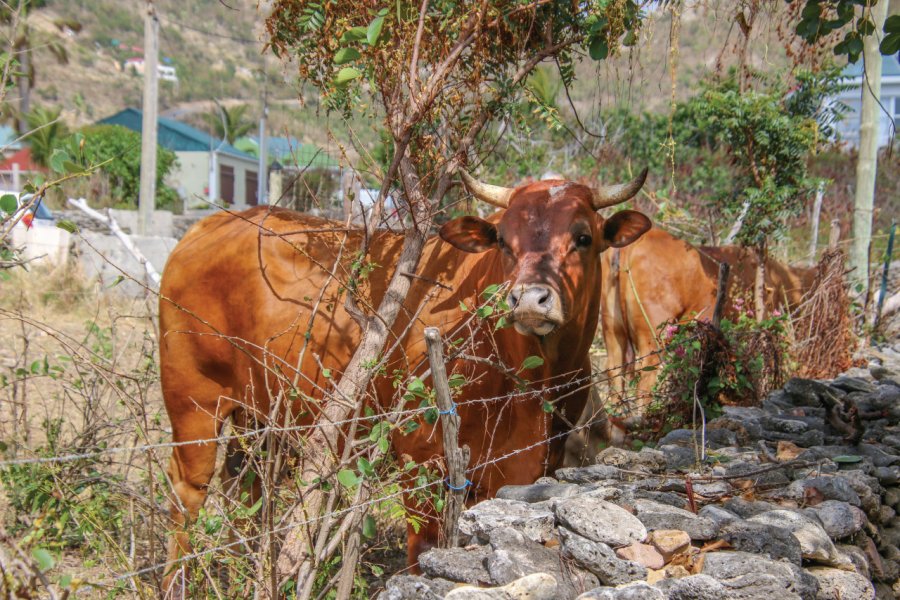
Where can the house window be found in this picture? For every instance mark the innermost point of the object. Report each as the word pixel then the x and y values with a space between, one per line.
pixel 226 183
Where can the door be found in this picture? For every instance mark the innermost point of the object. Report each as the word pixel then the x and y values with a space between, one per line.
pixel 226 183
pixel 251 181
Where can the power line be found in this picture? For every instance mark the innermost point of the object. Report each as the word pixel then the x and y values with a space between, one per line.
pixel 207 33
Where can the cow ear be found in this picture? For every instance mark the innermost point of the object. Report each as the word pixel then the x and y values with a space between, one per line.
pixel 625 227
pixel 470 234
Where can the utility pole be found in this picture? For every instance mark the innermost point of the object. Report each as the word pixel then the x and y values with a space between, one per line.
pixel 262 180
pixel 147 200
pixel 866 164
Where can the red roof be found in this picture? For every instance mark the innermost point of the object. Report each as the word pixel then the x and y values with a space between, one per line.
pixel 23 158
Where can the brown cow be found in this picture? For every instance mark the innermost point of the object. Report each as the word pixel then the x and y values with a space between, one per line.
pixel 240 283
pixel 664 279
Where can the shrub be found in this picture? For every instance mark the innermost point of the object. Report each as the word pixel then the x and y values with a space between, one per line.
pixel 705 367
pixel 117 152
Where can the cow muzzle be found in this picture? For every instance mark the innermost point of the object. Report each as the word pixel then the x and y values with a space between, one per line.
pixel 536 308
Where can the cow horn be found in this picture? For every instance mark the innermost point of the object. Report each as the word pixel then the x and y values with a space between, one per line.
pixel 610 195
pixel 492 194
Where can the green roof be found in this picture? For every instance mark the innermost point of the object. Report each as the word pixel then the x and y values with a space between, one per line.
pixel 174 135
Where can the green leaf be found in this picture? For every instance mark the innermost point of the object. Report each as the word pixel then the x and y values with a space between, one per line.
pixel 255 508
pixel 67 225
pixel 532 362
pixel 456 380
pixel 345 55
pixel 368 527
pixel 57 159
pixel 71 167
pixel 346 75
pixel 374 30
pixel 365 467
pixel 890 44
pixel 354 34
pixel 547 407
pixel 9 203
pixel 431 416
pixel 847 458
pixel 43 558
pixel 326 373
pixel 490 290
pixel 892 24
pixel 348 478
pixel 598 49
pixel 463 307
pixel 383 444
pixel 485 311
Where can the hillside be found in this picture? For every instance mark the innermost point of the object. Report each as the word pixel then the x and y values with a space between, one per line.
pixel 215 48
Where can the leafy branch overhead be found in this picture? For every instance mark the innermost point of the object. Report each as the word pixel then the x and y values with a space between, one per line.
pixel 822 18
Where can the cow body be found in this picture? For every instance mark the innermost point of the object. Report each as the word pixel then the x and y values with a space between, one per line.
pixel 661 279
pixel 237 304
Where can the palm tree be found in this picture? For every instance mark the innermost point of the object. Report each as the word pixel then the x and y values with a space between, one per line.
pixel 46 131
pixel 23 40
pixel 228 124
pixel 544 85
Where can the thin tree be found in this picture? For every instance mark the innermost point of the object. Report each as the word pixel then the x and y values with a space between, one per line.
pixel 439 72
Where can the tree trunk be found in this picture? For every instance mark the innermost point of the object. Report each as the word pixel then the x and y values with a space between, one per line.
pixel 759 285
pixel 866 164
pixel 24 84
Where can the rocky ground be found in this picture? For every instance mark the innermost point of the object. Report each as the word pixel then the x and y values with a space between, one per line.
pixel 795 499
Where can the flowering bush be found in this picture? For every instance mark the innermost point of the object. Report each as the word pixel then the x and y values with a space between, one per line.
pixel 703 367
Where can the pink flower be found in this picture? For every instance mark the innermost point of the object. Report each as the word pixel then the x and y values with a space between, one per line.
pixel 679 351
pixel 776 313
pixel 670 331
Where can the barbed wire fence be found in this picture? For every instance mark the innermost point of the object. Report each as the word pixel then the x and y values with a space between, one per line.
pixel 146 572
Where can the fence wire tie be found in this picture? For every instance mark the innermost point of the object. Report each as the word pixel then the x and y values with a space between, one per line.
pixel 459 488
pixel 449 411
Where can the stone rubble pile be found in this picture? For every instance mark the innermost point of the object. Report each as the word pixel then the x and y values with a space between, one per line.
pixel 785 506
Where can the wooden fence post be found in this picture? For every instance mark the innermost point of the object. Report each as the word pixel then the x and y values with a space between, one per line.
pixel 721 294
pixel 457 458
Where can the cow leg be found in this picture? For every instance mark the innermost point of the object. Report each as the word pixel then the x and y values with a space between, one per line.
pixel 426 538
pixel 190 470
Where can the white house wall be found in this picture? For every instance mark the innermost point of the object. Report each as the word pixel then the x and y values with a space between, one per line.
pixel 191 178
pixel 849 127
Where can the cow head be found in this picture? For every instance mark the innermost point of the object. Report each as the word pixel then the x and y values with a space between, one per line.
pixel 550 238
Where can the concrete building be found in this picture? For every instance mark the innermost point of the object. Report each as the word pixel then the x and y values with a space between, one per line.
pixel 208 168
pixel 848 128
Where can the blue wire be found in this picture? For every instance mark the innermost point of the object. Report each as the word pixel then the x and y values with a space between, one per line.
pixel 462 487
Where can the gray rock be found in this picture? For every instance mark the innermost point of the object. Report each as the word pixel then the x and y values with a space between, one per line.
pixel 538 492
pixel 537 586
pixel 887 475
pixel 792 426
pixel 759 538
pixel 413 587
pixel 466 565
pixel 807 392
pixel 662 516
pixel 814 542
pixel 533 522
pixel 694 587
pixel 514 556
pixel 839 519
pixel 857 557
pixel 679 457
pixel 853 384
pixel 715 438
pixel 718 515
pixel 600 521
pixel 748 508
pixel 634 591
pixel 775 478
pixel 647 459
pixel 589 474
pixel 746 574
pixel 599 559
pixel 835 584
pixel 831 488
pixel 892 497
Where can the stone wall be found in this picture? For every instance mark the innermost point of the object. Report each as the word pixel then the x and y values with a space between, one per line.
pixel 785 506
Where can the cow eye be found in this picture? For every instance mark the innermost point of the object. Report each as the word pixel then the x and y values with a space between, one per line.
pixel 583 241
pixel 502 244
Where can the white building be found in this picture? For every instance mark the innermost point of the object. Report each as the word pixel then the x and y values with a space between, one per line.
pixel 889 118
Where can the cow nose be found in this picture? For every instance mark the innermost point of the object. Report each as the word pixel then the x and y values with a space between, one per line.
pixel 533 297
